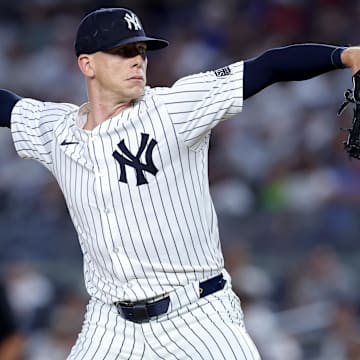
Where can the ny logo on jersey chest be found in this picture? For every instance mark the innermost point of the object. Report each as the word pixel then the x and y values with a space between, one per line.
pixel 128 159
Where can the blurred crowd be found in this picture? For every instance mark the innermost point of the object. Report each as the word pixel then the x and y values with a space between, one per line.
pixel 286 193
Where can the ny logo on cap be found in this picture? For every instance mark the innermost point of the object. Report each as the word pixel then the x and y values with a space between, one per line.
pixel 132 20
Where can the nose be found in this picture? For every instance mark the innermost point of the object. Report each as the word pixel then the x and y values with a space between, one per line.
pixel 139 59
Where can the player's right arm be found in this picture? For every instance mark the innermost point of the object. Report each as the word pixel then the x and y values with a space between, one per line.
pixel 32 123
pixel 8 100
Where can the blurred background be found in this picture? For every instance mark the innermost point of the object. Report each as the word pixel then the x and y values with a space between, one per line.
pixel 287 195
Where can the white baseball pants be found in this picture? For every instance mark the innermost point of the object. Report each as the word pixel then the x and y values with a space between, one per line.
pixel 210 328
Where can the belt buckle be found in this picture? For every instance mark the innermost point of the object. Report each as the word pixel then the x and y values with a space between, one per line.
pixel 134 312
pixel 139 312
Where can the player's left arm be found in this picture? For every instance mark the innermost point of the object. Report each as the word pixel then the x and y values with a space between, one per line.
pixel 296 62
pixel 350 57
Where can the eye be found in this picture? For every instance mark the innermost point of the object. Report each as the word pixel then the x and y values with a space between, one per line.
pixel 141 49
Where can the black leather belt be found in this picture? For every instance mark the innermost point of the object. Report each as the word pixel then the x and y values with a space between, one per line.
pixel 142 311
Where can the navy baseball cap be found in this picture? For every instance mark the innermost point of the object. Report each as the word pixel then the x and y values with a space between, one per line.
pixel 107 28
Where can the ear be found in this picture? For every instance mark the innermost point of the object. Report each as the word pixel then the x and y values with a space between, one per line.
pixel 84 62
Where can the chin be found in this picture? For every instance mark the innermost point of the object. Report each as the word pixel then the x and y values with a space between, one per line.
pixel 139 93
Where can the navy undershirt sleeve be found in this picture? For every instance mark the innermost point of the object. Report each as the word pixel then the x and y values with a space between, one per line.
pixel 289 63
pixel 7 102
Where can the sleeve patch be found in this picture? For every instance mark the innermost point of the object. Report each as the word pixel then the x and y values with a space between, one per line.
pixel 225 71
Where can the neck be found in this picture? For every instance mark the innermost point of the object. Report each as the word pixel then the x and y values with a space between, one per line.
pixel 98 113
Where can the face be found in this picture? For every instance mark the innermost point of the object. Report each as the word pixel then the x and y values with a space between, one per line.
pixel 120 72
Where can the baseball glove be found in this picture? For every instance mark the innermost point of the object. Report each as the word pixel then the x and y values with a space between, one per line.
pixel 352 144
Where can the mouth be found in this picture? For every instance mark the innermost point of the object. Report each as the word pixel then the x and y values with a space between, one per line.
pixel 136 78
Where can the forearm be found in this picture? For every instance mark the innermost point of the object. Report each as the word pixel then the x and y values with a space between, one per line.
pixel 7 102
pixel 291 63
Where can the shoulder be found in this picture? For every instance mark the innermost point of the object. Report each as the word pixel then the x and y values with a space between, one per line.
pixel 44 107
pixel 204 80
pixel 216 75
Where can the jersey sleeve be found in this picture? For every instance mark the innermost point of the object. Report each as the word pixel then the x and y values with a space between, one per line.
pixel 32 128
pixel 198 102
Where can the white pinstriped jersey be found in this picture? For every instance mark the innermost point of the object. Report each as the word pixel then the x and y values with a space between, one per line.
pixel 137 185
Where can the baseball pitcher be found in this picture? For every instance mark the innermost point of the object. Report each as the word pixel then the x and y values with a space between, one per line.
pixel 132 164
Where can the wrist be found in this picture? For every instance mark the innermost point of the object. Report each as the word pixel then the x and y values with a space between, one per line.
pixel 337 58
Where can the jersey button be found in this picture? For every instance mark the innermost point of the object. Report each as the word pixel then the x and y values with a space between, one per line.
pixel 107 211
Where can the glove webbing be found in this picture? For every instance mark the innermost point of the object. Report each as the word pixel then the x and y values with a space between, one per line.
pixel 352 144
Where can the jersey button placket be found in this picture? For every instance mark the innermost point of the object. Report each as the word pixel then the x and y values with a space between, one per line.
pixel 101 147
pixel 100 178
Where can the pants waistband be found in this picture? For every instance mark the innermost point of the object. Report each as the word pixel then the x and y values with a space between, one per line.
pixel 142 311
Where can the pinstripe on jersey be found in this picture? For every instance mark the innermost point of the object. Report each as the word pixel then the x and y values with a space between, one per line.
pixel 138 241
